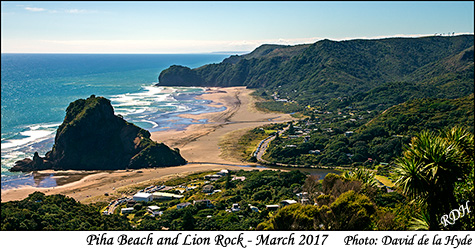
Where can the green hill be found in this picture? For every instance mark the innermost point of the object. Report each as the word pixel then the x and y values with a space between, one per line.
pixel 316 73
pixel 379 140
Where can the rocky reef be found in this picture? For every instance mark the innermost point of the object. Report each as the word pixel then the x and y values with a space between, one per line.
pixel 91 137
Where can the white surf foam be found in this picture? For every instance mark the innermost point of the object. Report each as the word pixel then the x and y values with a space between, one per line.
pixel 33 134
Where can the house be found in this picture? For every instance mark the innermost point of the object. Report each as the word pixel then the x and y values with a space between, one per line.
pixel 305 201
pixel 222 173
pixel 154 210
pixel 182 205
pixel 316 152
pixel 212 176
pixel 287 202
pixel 208 189
pixel 190 188
pixel 254 209
pixel 235 208
pixel 290 146
pixel 217 191
pixel 165 196
pixel 203 203
pixel 272 207
pixel 143 197
pixel 241 178
pixel 348 133
pixel 127 210
pixel 302 195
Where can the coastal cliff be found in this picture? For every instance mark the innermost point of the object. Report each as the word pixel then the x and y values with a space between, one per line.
pixel 91 137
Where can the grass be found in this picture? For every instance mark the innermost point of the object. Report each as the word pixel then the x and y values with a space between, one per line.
pixel 181 180
pixel 231 146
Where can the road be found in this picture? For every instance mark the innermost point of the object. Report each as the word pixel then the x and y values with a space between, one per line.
pixel 261 150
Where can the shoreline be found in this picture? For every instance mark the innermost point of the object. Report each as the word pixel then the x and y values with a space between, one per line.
pixel 198 144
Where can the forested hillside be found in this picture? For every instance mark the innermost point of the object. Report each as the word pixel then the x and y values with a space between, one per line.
pixel 314 74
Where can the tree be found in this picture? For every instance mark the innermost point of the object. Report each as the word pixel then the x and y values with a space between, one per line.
pixel 352 211
pixel 291 129
pixel 430 168
pixel 188 222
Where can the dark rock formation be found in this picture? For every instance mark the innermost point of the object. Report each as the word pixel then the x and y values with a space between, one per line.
pixel 91 137
pixel 180 76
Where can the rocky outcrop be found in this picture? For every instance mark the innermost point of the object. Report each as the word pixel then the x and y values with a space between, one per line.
pixel 180 76
pixel 91 137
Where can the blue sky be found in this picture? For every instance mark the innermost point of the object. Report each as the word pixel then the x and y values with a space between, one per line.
pixel 202 27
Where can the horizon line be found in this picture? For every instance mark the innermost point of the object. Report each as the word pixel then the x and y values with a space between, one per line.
pixel 255 43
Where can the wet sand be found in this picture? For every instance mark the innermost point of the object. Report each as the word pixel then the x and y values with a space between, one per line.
pixel 199 144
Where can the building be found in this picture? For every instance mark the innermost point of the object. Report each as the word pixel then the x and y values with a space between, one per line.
pixel 316 152
pixel 241 178
pixel 348 133
pixel 147 197
pixel 287 202
pixel 235 208
pixel 208 189
pixel 165 196
pixel 182 205
pixel 203 203
pixel 223 172
pixel 302 195
pixel 254 209
pixel 212 176
pixel 127 210
pixel 305 201
pixel 154 210
pixel 272 207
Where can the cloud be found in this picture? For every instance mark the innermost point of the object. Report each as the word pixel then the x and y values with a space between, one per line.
pixel 158 46
pixel 34 9
pixel 79 11
pixel 69 11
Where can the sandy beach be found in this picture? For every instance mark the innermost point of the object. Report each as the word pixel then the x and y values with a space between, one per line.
pixel 199 144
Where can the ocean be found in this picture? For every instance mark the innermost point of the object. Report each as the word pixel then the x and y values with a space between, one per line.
pixel 37 88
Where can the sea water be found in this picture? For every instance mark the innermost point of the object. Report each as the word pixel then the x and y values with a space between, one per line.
pixel 37 88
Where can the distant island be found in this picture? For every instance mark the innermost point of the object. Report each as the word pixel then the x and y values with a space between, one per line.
pixel 91 137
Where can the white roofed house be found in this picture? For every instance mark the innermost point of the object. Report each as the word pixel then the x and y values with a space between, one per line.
pixel 272 207
pixel 254 209
pixel 127 210
pixel 154 210
pixel 147 197
pixel 223 172
pixel 235 208
pixel 287 202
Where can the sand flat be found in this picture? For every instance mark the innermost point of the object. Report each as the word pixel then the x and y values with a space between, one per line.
pixel 198 144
